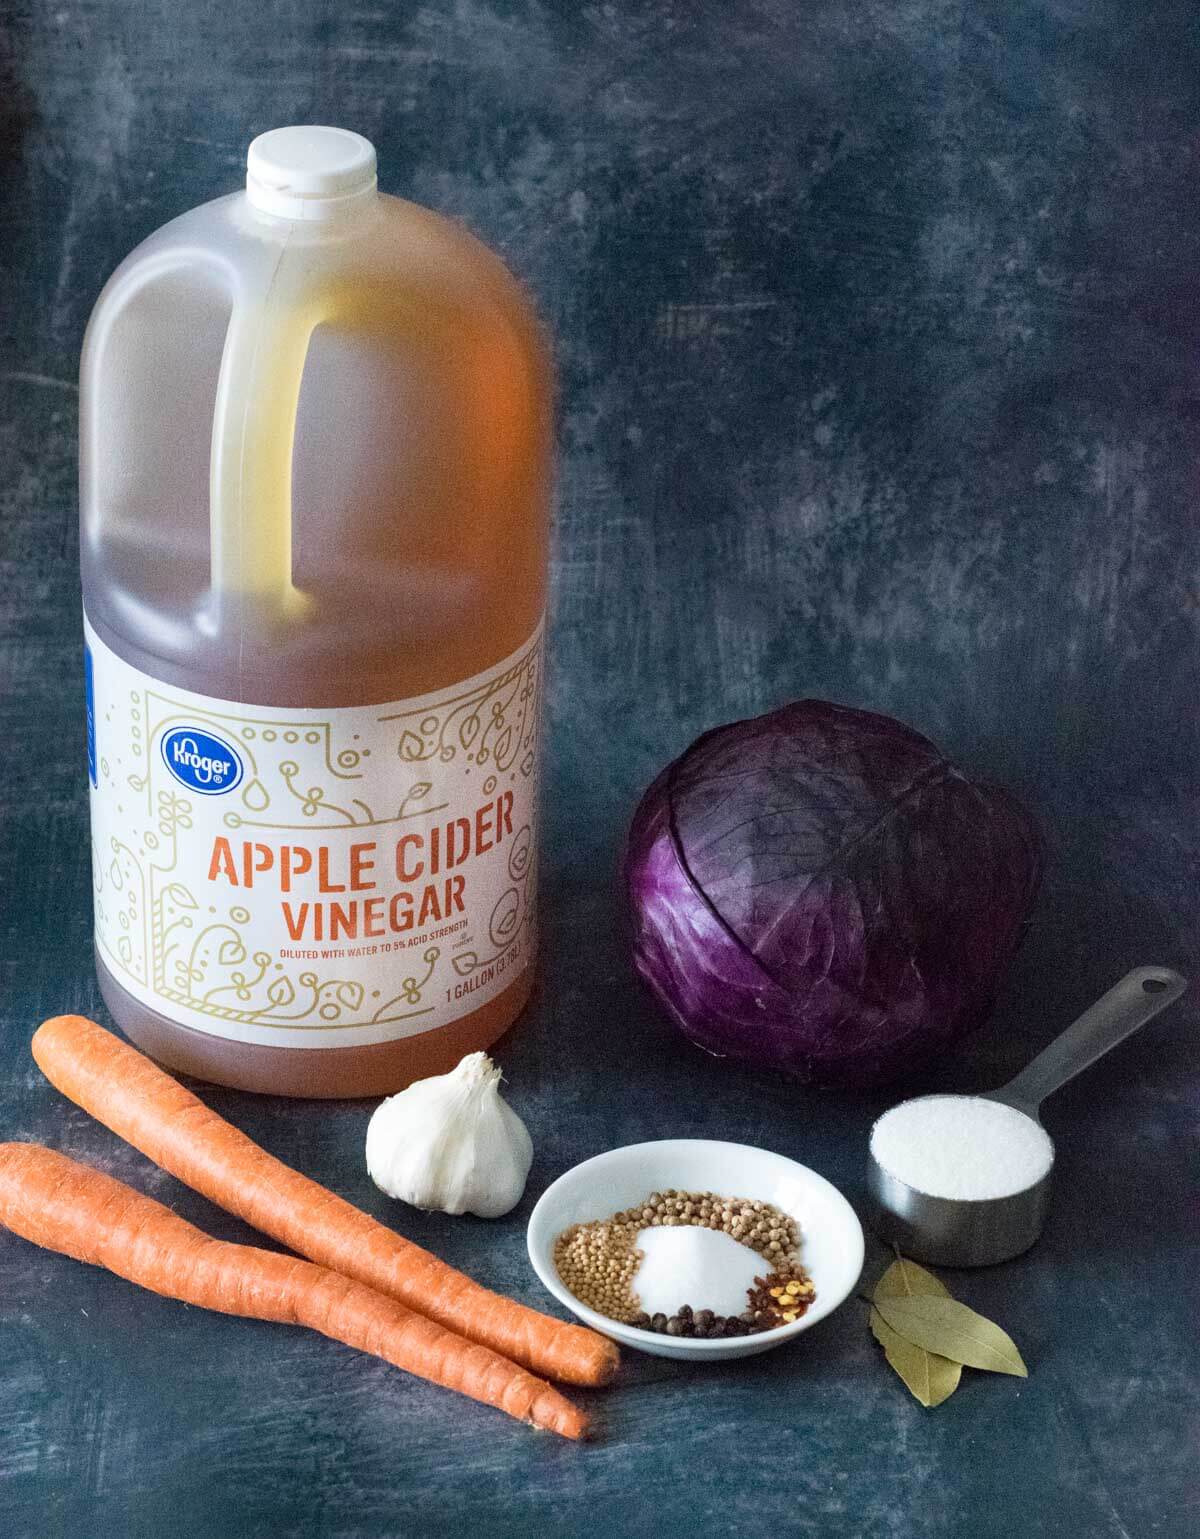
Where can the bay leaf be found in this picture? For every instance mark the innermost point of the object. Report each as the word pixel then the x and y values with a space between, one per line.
pixel 943 1325
pixel 904 1278
pixel 929 1376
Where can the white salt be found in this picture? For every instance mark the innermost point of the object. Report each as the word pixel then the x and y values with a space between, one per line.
pixel 961 1146
pixel 688 1264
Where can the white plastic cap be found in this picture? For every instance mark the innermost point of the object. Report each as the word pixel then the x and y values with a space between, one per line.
pixel 309 172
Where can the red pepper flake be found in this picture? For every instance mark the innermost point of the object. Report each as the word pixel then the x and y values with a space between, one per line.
pixel 780 1298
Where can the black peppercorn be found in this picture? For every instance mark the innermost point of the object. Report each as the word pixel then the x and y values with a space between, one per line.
pixel 659 1323
pixel 674 1326
pixel 704 1319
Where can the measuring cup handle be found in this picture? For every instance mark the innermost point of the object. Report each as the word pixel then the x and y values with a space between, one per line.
pixel 1138 997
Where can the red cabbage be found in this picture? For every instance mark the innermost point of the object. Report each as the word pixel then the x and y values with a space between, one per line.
pixel 820 891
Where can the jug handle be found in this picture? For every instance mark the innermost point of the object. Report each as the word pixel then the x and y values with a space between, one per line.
pixel 254 425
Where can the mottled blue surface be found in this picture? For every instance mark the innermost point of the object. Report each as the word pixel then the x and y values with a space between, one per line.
pixel 878 332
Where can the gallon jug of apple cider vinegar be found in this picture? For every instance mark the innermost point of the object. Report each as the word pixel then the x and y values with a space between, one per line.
pixel 315 467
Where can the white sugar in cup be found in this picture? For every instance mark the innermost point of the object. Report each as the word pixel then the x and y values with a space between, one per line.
pixel 959 1180
pixel 962 1146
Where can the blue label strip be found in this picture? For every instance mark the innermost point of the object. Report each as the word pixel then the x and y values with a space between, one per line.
pixel 90 696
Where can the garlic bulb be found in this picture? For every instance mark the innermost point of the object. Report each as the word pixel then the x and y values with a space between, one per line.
pixel 451 1143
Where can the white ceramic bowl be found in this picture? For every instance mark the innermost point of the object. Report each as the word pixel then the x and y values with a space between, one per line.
pixel 831 1235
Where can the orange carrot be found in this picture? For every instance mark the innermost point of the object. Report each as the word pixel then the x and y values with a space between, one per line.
pixel 143 1105
pixel 56 1202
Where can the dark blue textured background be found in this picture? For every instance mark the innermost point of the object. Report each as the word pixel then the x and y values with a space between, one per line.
pixel 877 329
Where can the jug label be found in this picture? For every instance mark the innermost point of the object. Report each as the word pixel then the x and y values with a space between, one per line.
pixel 314 878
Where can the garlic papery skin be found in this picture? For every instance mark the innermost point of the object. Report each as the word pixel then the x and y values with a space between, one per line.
pixel 451 1143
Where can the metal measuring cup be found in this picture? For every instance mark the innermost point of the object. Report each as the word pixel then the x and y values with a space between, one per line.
pixel 957 1231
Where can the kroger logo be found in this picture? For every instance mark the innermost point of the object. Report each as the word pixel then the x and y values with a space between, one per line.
pixel 201 761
